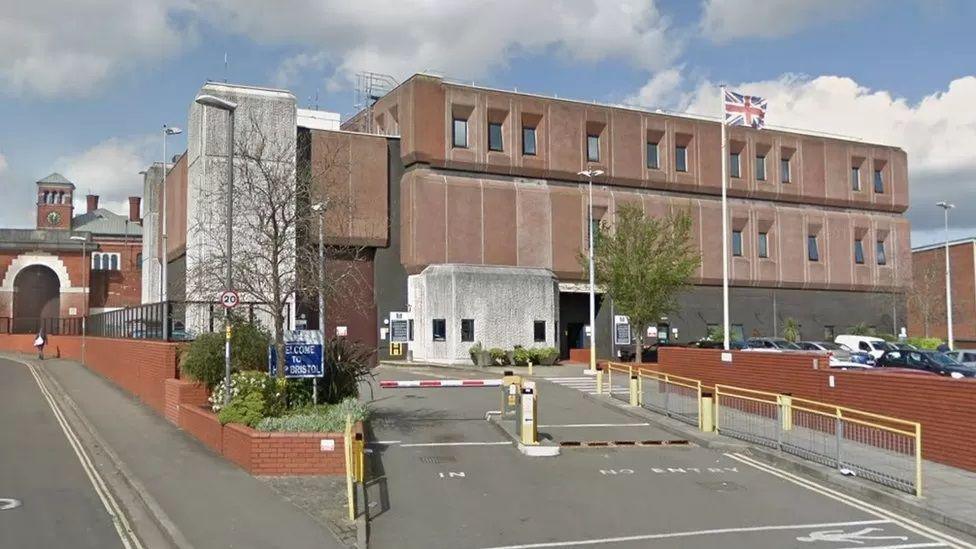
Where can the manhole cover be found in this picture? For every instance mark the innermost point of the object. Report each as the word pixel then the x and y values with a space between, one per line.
pixel 438 459
pixel 720 486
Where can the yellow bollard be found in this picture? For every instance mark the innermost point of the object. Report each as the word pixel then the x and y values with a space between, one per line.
pixel 530 367
pixel 707 414
pixel 786 408
pixel 528 430
pixel 634 392
pixel 347 447
pixel 599 382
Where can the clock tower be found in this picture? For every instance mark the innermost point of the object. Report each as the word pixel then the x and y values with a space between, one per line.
pixel 54 202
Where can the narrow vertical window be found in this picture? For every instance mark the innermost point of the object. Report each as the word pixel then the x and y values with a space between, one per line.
pixel 858 252
pixel 539 331
pixel 760 168
pixel 439 330
pixel 855 178
pixel 813 253
pixel 114 265
pixel 737 243
pixel 528 141
pixel 467 329
pixel 734 170
pixel 495 137
pixel 460 133
pixel 878 182
pixel 593 148
pixel 879 251
pixel 763 245
pixel 652 156
pixel 681 158
pixel 784 170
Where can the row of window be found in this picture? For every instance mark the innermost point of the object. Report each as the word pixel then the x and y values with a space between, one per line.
pixel 813 248
pixel 54 197
pixel 439 330
pixel 652 154
pixel 104 261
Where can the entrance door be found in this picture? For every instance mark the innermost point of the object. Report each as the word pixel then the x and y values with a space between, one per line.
pixel 37 300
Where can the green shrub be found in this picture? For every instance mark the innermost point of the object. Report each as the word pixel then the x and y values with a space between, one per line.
pixel 522 356
pixel 324 418
pixel 544 355
pixel 242 384
pixel 204 359
pixel 347 363
pixel 924 342
pixel 499 357
pixel 791 330
pixel 887 337
pixel 247 410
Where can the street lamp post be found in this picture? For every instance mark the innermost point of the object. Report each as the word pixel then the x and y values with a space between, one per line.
pixel 230 107
pixel 163 276
pixel 85 268
pixel 320 209
pixel 948 274
pixel 589 175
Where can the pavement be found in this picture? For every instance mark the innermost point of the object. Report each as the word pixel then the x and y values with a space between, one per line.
pixel 442 476
pixel 174 492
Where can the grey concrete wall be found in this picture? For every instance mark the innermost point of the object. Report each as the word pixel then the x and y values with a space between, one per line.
pixel 390 278
pixel 504 302
pixel 151 262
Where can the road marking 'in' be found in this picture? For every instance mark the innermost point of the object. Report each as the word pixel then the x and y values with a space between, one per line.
pixel 126 534
pixel 851 501
pixel 668 535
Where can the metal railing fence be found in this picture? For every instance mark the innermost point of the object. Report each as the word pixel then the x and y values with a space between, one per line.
pixel 883 449
pixel 31 325
pixel 619 386
pixel 674 396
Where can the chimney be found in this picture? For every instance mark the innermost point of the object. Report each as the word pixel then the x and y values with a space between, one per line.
pixel 134 202
pixel 92 202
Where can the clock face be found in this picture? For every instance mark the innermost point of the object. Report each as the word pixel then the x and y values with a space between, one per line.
pixel 53 218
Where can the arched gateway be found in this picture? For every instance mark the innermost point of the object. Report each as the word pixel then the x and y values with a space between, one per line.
pixel 37 296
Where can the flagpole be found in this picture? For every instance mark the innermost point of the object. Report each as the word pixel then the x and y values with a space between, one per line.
pixel 725 228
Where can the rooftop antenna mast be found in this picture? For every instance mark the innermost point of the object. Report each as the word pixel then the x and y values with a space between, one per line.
pixel 225 67
pixel 370 87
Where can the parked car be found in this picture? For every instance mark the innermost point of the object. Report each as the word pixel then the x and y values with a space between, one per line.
pixel 839 356
pixel 966 356
pixel 777 343
pixel 931 361
pixel 902 346
pixel 875 346
pixel 734 344
pixel 891 370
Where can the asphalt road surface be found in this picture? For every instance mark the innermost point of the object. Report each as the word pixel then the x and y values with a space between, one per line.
pixel 444 477
pixel 46 497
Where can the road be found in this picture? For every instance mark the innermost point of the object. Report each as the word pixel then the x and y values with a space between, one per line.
pixel 444 477
pixel 56 503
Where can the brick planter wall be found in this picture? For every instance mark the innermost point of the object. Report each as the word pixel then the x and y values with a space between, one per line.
pixel 202 424
pixel 945 407
pixel 181 391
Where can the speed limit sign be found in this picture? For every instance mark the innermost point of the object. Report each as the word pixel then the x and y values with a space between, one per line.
pixel 229 299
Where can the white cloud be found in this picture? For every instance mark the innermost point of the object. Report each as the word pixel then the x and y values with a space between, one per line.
pixel 938 132
pixel 724 20
pixel 55 49
pixel 463 39
pixel 664 90
pixel 110 169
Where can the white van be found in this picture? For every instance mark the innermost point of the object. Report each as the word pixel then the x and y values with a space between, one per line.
pixel 875 346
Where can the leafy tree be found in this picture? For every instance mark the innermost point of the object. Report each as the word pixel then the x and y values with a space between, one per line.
pixel 861 329
pixel 791 330
pixel 644 263
pixel 204 359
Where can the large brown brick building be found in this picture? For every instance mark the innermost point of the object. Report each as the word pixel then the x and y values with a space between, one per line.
pixel 927 303
pixel 484 182
pixel 69 265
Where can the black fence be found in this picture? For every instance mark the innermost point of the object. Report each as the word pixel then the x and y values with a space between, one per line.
pixel 51 326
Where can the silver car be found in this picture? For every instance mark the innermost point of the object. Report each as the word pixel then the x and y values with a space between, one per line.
pixel 966 356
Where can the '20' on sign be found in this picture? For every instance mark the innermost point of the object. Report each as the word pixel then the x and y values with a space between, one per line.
pixel 229 299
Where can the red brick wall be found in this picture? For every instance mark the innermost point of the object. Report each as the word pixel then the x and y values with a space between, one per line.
pixel 945 407
pixel 120 288
pixel 181 391
pixel 202 424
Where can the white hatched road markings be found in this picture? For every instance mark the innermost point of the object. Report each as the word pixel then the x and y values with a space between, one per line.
pixel 587 384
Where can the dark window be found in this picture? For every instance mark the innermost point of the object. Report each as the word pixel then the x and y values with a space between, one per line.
pixel 593 148
pixel 784 170
pixel 410 329
pixel 829 333
pixel 139 261
pixel 114 262
pixel 495 137
pixel 760 168
pixel 440 329
pixel 763 245
pixel 467 329
pixel 681 158
pixel 855 178
pixel 652 156
pixel 879 251
pixel 878 182
pixel 734 170
pixel 858 252
pixel 528 141
pixel 460 132
pixel 539 331
pixel 813 254
pixel 736 243
pixel 863 345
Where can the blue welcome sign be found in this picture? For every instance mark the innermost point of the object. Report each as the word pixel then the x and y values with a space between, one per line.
pixel 303 354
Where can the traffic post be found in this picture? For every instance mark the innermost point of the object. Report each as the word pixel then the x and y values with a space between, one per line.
pixel 229 299
pixel 511 387
pixel 528 430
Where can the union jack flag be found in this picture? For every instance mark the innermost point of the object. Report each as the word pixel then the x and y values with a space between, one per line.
pixel 744 110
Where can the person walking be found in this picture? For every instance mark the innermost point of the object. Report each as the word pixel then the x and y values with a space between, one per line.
pixel 40 341
pixel 943 347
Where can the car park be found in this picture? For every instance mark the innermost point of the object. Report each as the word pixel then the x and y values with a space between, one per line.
pixel 966 356
pixel 772 343
pixel 930 361
pixel 875 346
pixel 839 356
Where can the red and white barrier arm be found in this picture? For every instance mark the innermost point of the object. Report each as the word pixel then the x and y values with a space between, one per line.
pixel 405 384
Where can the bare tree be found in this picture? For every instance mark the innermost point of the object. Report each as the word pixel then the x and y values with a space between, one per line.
pixel 926 297
pixel 275 259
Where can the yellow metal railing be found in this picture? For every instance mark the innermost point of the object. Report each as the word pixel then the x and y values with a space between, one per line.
pixel 623 369
pixel 670 379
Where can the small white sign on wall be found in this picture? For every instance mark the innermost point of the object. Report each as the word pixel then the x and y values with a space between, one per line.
pixel 327 445
pixel 342 331
pixel 726 357
pixel 830 381
pixel 72 311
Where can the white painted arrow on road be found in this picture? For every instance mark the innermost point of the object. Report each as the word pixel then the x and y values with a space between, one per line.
pixel 8 503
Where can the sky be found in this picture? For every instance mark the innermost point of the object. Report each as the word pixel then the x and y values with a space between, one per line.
pixel 86 86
